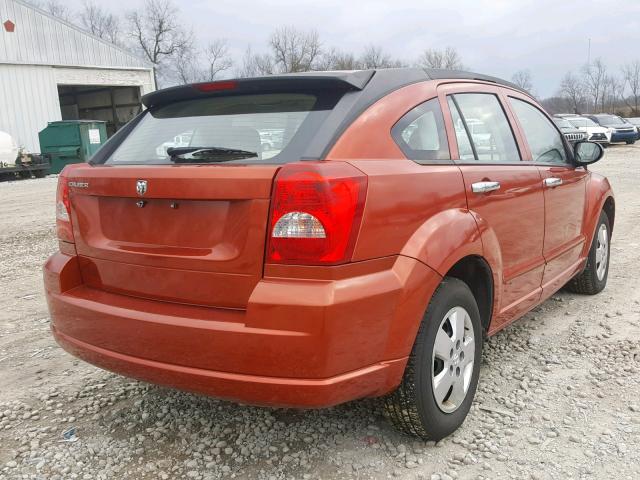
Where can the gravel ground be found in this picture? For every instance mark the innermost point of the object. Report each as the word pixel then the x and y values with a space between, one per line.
pixel 558 395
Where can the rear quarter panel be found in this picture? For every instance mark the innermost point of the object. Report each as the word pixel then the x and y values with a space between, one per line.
pixel 413 210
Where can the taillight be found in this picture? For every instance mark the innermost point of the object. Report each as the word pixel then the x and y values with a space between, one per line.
pixel 316 210
pixel 63 209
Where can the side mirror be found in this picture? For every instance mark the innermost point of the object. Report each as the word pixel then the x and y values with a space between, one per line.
pixel 586 153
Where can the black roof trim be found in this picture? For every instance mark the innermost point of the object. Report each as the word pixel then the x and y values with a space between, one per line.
pixel 306 81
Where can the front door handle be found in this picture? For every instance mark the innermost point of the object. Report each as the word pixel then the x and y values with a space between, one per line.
pixel 552 182
pixel 483 187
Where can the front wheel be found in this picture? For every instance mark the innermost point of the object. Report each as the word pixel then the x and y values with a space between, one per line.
pixel 631 142
pixel 441 375
pixel 593 278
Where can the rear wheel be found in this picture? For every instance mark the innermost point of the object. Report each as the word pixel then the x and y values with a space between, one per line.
pixel 593 278
pixel 631 142
pixel 441 376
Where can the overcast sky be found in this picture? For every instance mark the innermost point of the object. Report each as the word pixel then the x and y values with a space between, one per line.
pixel 498 37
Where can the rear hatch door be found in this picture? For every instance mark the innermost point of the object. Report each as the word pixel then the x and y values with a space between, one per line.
pixel 196 235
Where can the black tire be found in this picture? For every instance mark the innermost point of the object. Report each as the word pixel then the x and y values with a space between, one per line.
pixel 631 142
pixel 412 407
pixel 40 173
pixel 588 282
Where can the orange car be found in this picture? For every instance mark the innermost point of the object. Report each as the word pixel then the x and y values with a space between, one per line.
pixel 310 239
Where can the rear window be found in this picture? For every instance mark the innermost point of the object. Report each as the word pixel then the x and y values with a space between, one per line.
pixel 264 128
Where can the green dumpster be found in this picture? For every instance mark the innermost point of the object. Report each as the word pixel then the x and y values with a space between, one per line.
pixel 71 141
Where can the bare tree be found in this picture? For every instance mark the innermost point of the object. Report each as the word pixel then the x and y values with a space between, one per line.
pixel 193 65
pixel 186 65
pixel 335 59
pixel 216 55
pixel 449 59
pixel 374 57
pixel 523 79
pixel 54 7
pixel 100 22
pixel 631 73
pixel 594 77
pixel 255 64
pixel 572 89
pixel 294 50
pixel 556 104
pixel 612 93
pixel 157 32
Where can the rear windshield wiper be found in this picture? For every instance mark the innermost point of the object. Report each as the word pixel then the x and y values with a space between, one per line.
pixel 207 154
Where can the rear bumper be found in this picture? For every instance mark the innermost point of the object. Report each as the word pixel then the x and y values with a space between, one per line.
pixel 300 342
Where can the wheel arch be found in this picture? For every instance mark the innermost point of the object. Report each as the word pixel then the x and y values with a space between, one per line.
pixel 476 273
pixel 609 208
pixel 461 244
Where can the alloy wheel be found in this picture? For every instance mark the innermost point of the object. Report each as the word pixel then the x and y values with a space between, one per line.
pixel 602 251
pixel 453 360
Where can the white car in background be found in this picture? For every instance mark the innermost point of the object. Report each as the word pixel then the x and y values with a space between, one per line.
pixel 595 133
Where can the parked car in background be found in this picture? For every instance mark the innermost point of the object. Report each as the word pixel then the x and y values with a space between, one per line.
pixel 367 255
pixel 621 131
pixel 635 121
pixel 177 141
pixel 595 133
pixel 571 133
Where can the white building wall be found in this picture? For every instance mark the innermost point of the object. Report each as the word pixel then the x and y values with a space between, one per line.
pixel 44 52
pixel 42 39
pixel 29 95
pixel 28 100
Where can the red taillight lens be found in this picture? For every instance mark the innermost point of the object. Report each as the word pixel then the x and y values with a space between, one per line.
pixel 316 211
pixel 63 210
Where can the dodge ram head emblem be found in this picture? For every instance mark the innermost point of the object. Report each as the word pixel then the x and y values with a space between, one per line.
pixel 141 187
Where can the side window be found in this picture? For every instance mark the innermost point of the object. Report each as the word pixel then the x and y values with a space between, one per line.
pixel 421 135
pixel 465 149
pixel 545 142
pixel 487 126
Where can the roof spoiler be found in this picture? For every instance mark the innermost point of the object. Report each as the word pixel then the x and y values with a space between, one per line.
pixel 292 82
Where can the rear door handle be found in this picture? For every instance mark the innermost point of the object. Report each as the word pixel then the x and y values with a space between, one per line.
pixel 482 187
pixel 552 182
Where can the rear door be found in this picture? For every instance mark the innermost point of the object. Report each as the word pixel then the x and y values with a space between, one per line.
pixel 564 194
pixel 504 192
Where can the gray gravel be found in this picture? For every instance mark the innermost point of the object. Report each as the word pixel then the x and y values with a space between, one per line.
pixel 558 395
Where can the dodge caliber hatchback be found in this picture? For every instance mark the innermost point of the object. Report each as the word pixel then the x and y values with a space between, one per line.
pixel 310 239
